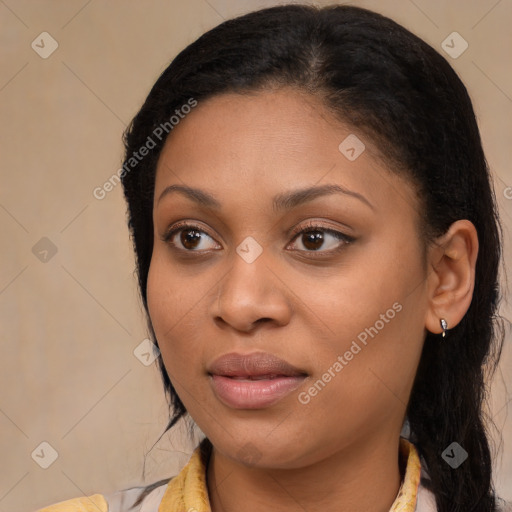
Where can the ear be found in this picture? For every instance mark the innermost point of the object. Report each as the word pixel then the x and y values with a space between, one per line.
pixel 451 279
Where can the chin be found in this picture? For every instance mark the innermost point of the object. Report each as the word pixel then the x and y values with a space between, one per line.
pixel 264 453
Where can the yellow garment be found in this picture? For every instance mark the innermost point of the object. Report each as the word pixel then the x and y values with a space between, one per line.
pixel 94 503
pixel 188 490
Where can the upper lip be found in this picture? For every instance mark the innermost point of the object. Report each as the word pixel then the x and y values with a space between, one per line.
pixel 252 365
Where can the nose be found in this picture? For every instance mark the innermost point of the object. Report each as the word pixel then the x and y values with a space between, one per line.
pixel 251 294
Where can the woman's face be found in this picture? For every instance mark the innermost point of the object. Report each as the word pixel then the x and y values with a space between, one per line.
pixel 276 265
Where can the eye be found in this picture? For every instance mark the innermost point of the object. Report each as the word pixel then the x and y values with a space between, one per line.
pixel 191 238
pixel 314 237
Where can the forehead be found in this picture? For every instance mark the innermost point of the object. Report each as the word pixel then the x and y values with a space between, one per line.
pixel 257 127
pixel 262 143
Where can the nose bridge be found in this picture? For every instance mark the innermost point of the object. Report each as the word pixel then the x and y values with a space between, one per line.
pixel 250 291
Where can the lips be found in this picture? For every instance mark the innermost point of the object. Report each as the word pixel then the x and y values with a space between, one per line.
pixel 255 365
pixel 253 381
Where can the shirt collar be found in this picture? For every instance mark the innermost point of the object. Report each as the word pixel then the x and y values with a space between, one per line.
pixel 188 490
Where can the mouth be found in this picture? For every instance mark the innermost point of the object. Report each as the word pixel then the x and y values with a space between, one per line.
pixel 253 381
pixel 255 377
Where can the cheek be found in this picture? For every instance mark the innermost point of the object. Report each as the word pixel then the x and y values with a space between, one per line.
pixel 171 309
pixel 383 332
pixel 179 300
pixel 378 280
pixel 161 297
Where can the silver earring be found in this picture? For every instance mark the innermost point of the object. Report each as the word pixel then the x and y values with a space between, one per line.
pixel 444 326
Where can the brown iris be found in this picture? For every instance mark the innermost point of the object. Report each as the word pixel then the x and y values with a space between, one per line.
pixel 190 238
pixel 313 240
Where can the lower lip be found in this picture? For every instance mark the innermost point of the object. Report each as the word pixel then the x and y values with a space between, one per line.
pixel 253 394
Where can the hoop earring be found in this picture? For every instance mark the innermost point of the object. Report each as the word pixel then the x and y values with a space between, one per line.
pixel 444 326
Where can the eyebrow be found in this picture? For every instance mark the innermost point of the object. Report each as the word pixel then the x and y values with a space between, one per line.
pixel 284 201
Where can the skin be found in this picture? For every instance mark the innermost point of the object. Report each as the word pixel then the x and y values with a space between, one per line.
pixel 326 454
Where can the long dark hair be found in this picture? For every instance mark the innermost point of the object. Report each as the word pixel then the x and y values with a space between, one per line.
pixel 402 94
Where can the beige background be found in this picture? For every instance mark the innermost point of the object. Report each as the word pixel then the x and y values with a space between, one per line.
pixel 69 326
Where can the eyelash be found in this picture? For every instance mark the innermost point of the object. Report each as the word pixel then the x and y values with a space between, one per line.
pixel 311 226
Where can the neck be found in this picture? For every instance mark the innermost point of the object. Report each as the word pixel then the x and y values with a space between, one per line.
pixel 340 482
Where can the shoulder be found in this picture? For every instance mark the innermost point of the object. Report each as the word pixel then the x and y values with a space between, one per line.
pixel 119 501
pixel 94 503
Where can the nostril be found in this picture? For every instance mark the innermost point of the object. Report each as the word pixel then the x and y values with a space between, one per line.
pixel 263 320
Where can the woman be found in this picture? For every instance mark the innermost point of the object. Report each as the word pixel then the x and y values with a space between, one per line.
pixel 317 246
